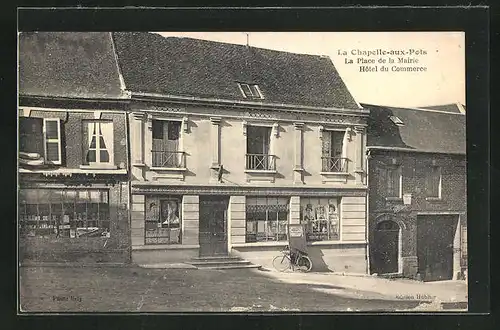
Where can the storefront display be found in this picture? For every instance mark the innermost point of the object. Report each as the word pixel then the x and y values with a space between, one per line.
pixel 64 213
pixel 162 220
pixel 320 215
pixel 266 219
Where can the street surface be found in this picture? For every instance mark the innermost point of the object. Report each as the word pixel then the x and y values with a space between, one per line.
pixel 133 289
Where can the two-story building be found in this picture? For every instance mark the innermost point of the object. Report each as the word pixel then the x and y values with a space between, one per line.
pixel 73 159
pixel 230 143
pixel 417 196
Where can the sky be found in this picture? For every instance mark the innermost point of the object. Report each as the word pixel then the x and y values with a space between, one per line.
pixel 443 81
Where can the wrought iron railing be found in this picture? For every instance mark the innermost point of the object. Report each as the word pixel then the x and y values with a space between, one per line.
pixel 172 159
pixel 260 162
pixel 334 164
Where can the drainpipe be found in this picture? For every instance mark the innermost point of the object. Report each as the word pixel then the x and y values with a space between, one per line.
pixel 367 199
pixel 129 185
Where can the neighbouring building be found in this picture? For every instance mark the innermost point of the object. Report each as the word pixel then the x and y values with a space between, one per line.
pixel 230 143
pixel 417 196
pixel 73 160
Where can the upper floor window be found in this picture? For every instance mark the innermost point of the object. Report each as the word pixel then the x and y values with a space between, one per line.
pixel 394 181
pixel 166 144
pixel 250 91
pixel 258 149
pixel 333 156
pixel 40 137
pixel 433 182
pixel 98 142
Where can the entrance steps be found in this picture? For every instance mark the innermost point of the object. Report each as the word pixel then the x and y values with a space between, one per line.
pixel 222 262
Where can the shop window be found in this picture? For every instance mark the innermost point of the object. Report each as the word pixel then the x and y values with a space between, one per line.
pixel 98 142
pixel 64 213
pixel 321 218
pixel 266 219
pixel 163 220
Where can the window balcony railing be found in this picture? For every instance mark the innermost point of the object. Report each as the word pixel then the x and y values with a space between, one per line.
pixel 169 159
pixel 334 164
pixel 260 162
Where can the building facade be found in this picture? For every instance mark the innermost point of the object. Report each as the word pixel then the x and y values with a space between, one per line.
pixel 232 143
pixel 73 159
pixel 417 198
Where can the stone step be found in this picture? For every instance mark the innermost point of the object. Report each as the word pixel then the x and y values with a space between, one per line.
pixel 219 263
pixel 231 267
pixel 200 259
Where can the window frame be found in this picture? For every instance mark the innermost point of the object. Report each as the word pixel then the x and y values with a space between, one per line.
pixel 399 169
pixel 269 208
pixel 328 134
pixel 430 180
pixel 55 222
pixel 52 140
pixel 316 204
pixel 109 147
pixel 180 158
pixel 161 231
pixel 251 88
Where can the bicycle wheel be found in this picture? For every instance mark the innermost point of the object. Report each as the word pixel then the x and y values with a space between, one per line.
pixel 281 263
pixel 304 263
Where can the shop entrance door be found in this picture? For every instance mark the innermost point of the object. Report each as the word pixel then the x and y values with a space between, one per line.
pixel 213 226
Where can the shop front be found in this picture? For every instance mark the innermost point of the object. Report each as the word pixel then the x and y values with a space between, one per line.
pixel 59 222
pixel 198 222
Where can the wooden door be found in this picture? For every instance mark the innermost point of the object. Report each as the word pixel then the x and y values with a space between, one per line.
pixel 213 226
pixel 386 248
pixel 435 234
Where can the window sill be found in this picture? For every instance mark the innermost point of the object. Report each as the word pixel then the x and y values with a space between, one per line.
pixel 394 199
pixel 261 171
pixel 434 199
pixel 169 169
pixel 163 247
pixel 99 167
pixel 335 173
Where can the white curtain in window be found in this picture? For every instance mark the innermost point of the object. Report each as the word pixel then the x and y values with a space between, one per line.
pixel 107 134
pixel 344 143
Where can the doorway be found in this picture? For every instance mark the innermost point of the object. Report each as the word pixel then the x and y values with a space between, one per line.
pixel 213 226
pixel 386 248
pixel 435 236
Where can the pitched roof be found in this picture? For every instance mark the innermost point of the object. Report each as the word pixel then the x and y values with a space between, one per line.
pixel 452 107
pixel 422 130
pixel 68 64
pixel 151 63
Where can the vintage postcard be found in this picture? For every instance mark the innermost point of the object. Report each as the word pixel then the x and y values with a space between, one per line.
pixel 242 172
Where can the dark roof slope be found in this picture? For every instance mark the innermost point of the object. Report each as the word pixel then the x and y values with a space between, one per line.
pixel 68 64
pixel 191 67
pixel 422 131
pixel 452 107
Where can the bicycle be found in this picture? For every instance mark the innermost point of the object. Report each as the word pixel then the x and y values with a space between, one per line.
pixel 297 260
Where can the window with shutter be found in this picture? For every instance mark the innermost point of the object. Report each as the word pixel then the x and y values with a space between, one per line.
pixel 52 140
pixel 31 135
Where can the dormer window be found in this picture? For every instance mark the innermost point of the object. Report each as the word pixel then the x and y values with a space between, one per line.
pixel 397 121
pixel 250 91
